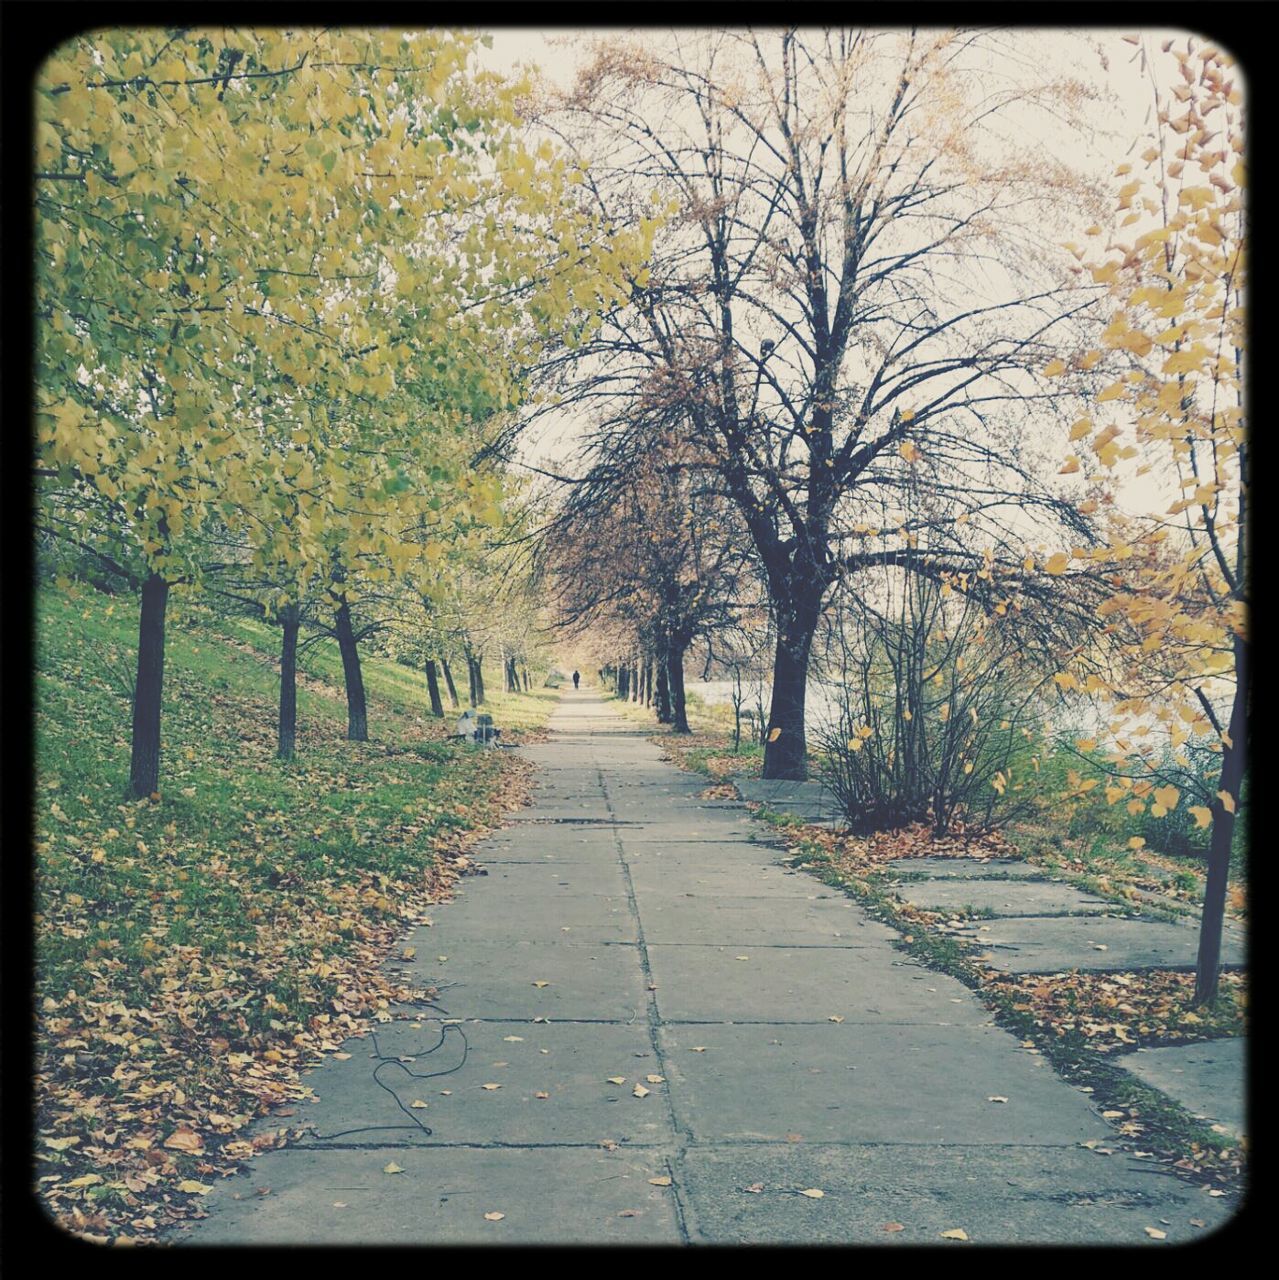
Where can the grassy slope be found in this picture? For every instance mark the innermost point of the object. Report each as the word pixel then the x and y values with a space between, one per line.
pixel 195 952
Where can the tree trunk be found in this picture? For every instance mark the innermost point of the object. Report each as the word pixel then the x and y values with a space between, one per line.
pixel 479 682
pixel 785 749
pixel 357 716
pixel 148 690
pixel 623 682
pixel 470 679
pixel 528 683
pixel 448 680
pixel 289 620
pixel 635 680
pixel 675 676
pixel 433 687
pixel 663 699
pixel 1233 761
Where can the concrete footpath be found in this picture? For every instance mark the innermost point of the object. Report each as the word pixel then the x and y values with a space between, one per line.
pixel 662 1036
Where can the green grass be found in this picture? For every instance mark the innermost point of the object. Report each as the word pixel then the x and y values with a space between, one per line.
pixel 247 907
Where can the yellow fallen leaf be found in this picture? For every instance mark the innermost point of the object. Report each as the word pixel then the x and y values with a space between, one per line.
pixel 185 1140
pixel 835 1017
pixel 655 1079
pixel 660 1182
pixel 812 1193
pixel 85 1180
pixel 490 1087
pixel 392 1168
pixel 494 1217
pixel 192 1187
pixel 955 1233
pixel 417 1102
pixel 543 1096
pixel 541 984
pixel 617 1079
pixel 1155 1234
pixel 640 1092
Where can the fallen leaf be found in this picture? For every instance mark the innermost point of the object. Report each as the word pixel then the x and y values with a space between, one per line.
pixel 85 1180
pixel 339 1204
pixel 513 1039
pixel 494 1217
pixel 490 1087
pixel 640 1092
pixel 1155 1234
pixel 813 1193
pixel 660 1182
pixel 699 1048
pixel 541 984
pixel 542 1095
pixel 192 1187
pixel 955 1233
pixel 835 1017
pixel 617 1079
pixel 755 1188
pixel 185 1140
pixel 892 1226
pixel 417 1102
pixel 996 1097
pixel 655 1079
pixel 392 1168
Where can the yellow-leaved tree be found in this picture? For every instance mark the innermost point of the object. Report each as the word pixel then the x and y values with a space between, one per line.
pixel 1176 674
pixel 279 276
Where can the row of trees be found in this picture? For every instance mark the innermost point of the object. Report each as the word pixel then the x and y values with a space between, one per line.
pixel 846 380
pixel 287 284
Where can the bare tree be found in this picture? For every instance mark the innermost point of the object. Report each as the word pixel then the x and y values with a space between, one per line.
pixel 854 280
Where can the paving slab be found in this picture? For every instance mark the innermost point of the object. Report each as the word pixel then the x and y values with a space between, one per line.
pixel 598 981
pixel 996 1195
pixel 542 917
pixel 1036 944
pixel 982 868
pixel 803 799
pixel 716 918
pixel 804 984
pixel 1208 1079
pixel 571 1063
pixel 1006 897
pixel 565 1195
pixel 864 1083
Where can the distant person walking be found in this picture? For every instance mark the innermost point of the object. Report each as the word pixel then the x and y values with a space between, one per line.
pixel 577 676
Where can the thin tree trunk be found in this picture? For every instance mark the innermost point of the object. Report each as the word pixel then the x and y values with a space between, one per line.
pixel 623 681
pixel 148 690
pixel 479 682
pixel 289 621
pixel 470 677
pixel 1233 760
pixel 679 710
pixel 528 683
pixel 448 680
pixel 357 715
pixel 663 687
pixel 433 687
pixel 785 748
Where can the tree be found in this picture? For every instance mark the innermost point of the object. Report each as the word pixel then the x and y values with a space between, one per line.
pixel 269 263
pixel 644 538
pixel 853 283
pixel 1179 659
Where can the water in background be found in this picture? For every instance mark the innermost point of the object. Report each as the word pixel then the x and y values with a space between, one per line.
pixel 821 704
